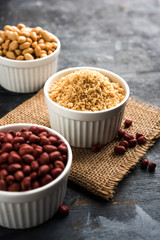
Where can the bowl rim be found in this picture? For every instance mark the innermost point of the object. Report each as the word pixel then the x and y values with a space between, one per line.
pixel 47 84
pixel 25 62
pixel 49 185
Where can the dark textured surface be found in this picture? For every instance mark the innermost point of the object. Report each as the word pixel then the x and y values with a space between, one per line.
pixel 124 37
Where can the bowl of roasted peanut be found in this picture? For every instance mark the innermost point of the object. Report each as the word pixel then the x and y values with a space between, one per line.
pixel 28 57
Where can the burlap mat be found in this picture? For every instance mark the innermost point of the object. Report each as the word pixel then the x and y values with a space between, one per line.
pixel 99 172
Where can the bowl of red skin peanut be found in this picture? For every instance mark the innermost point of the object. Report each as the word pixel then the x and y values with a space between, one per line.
pixel 35 162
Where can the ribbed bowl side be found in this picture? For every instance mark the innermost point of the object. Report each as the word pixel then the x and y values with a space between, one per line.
pixel 28 214
pixel 26 80
pixel 86 133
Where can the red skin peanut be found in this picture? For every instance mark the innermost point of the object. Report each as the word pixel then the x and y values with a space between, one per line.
pixel 19 175
pixel 128 136
pixel 18 134
pixel 3 173
pixel 33 175
pixel 26 169
pixel 152 166
pixel 49 148
pixel 62 148
pixel 14 158
pixel 23 129
pixel 46 179
pixel 18 140
pixel 44 169
pixel 59 164
pixel 43 134
pixel 2 137
pixel 124 144
pixel 33 129
pixel 7 147
pixel 56 172
pixel 12 133
pixel 16 147
pixel 121 132
pixel 4 166
pixel 26 184
pixel 132 143
pixel 64 158
pixel 95 148
pixel 34 165
pixel 25 149
pixel 26 135
pixel 37 151
pixel 44 140
pixel 4 157
pixel 40 130
pixel 34 138
pixel 14 167
pixel 44 158
pixel 119 150
pixel 127 123
pixel 8 138
pixel 3 185
pixel 15 187
pixel 59 142
pixel 63 210
pixel 53 140
pixel 138 134
pixel 144 163
pixel 54 155
pixel 35 184
pixel 28 158
pixel 10 179
pixel 141 140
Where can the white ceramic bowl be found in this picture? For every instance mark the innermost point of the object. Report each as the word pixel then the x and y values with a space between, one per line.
pixel 31 208
pixel 84 129
pixel 27 76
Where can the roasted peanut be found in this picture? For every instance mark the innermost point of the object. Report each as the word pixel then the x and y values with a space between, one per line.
pixel 21 39
pixel 8 137
pixel 20 26
pixel 8 27
pixel 33 36
pixel 19 175
pixel 13 45
pixel 7 147
pixel 24 45
pixel 28 50
pixel 18 52
pixel 6 44
pixel 46 36
pixel 10 179
pixel 25 149
pixel 49 148
pixel 10 55
pixel 38 51
pixel 28 56
pixel 3 173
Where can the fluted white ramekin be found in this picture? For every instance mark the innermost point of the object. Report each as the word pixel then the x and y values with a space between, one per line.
pixel 30 208
pixel 28 75
pixel 84 129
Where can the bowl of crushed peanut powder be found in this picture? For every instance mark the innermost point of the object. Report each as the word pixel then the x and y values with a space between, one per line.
pixel 86 104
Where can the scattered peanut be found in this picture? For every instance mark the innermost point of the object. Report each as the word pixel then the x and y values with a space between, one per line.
pixel 25 43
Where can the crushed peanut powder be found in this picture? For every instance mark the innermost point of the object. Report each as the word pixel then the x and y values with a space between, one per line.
pixel 86 90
